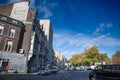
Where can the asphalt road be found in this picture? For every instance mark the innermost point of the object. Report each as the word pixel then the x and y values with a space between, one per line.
pixel 62 75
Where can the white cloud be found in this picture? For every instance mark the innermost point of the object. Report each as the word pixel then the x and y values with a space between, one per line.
pixel 109 25
pixel 53 4
pixel 16 0
pixel 45 9
pixel 69 43
pixel 102 27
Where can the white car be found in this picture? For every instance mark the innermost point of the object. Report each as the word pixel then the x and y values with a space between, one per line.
pixel 54 69
pixel 77 68
pixel 44 71
pixel 12 71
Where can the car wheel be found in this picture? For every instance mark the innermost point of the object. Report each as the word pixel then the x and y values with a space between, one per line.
pixel 93 77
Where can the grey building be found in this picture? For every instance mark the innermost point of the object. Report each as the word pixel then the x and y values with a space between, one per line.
pixel 37 48
pixel 48 30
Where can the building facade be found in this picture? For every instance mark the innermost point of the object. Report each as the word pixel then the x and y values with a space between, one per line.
pixel 25 15
pixel 46 26
pixel 25 38
pixel 37 48
pixel 60 59
pixel 11 34
pixel 15 33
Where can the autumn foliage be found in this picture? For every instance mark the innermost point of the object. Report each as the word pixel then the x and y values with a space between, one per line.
pixel 89 57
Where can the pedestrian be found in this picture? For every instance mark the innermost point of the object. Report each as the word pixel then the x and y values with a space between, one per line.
pixel 6 69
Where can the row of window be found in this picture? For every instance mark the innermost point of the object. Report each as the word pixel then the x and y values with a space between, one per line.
pixel 11 31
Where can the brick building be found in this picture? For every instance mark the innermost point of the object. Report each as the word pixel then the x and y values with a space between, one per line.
pixel 25 16
pixel 11 34
pixel 15 35
pixel 28 46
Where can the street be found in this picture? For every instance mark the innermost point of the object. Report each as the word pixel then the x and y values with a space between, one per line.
pixel 61 75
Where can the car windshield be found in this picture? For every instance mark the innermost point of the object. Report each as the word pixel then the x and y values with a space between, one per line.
pixel 54 67
pixel 100 67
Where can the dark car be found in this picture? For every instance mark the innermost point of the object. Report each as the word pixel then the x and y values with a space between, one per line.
pixel 105 72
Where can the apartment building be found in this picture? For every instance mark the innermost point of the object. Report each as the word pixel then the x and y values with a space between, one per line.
pixel 23 15
pixel 29 47
pixel 60 59
pixel 46 26
pixel 15 34
pixel 11 34
pixel 11 40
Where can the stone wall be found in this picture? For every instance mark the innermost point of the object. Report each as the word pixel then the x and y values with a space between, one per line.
pixel 16 61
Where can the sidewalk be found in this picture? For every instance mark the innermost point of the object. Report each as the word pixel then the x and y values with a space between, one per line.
pixel 3 73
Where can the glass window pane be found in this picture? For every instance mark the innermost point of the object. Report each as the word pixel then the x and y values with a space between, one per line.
pixel 12 32
pixel 8 46
pixel 1 29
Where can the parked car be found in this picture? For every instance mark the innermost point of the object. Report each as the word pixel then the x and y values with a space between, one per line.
pixel 44 71
pixel 54 69
pixel 77 68
pixel 72 68
pixel 66 69
pixel 12 71
pixel 105 72
pixel 89 68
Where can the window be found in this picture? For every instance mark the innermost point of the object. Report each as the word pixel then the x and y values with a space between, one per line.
pixel 1 29
pixel 15 22
pixel 98 67
pixel 12 32
pixel 8 46
pixel 4 18
pixel 41 26
pixel 0 39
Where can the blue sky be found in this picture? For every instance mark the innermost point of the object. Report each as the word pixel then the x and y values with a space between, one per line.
pixel 80 24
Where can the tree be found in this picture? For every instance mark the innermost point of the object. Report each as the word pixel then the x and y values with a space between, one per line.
pixel 105 58
pixel 92 55
pixel 74 59
pixel 116 58
pixel 89 57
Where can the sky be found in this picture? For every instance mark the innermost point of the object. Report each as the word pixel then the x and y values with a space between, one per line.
pixel 81 24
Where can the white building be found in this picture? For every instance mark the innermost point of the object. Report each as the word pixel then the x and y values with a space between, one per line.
pixel 61 60
pixel 47 28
